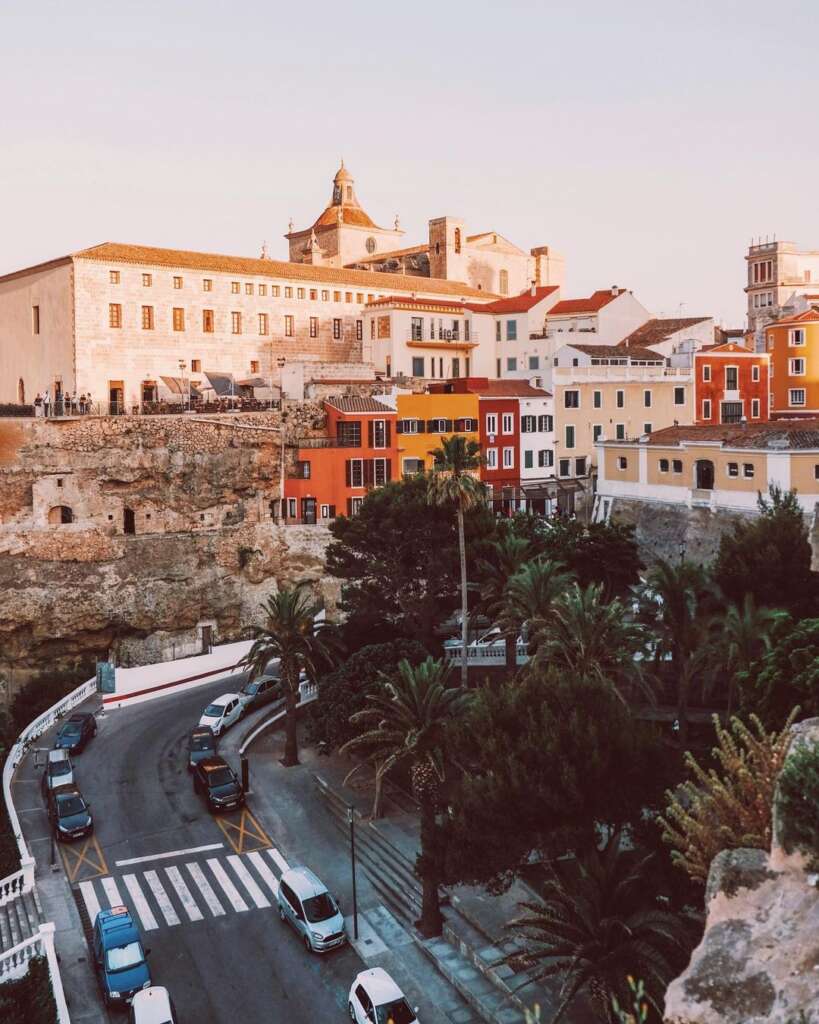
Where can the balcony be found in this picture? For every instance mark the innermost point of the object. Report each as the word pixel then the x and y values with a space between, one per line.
pixel 327 442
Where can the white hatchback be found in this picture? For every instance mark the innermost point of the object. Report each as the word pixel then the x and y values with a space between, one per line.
pixel 152 1006
pixel 222 712
pixel 376 999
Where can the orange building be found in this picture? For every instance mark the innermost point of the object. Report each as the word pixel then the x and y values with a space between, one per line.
pixel 731 384
pixel 333 473
pixel 793 345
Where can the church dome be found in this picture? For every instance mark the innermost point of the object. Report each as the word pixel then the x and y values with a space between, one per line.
pixel 342 174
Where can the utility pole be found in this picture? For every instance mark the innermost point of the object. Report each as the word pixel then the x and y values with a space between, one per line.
pixel 351 820
pixel 280 363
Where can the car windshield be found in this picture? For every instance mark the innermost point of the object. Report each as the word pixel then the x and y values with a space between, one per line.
pixel 71 729
pixel 251 688
pixel 214 710
pixel 69 805
pixel 60 768
pixel 319 908
pixel 397 1012
pixel 202 741
pixel 220 777
pixel 120 958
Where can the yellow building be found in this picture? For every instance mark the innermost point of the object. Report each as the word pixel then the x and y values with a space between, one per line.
pixel 424 420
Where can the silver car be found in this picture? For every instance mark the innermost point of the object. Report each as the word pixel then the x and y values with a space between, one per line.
pixel 59 771
pixel 305 902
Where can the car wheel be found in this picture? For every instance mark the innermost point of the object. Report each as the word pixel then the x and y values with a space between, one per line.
pixel 351 1011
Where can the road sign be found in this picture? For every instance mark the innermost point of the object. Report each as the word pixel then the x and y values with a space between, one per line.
pixel 106 677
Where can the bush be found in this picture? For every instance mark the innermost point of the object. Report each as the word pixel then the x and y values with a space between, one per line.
pixel 8 409
pixel 798 800
pixel 29 1000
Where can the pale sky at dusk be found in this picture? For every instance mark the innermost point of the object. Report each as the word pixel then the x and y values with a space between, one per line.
pixel 646 142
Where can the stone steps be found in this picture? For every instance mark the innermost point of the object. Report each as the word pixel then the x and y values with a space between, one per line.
pixel 20 918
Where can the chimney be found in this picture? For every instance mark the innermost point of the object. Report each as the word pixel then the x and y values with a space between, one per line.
pixel 533 290
pixel 615 290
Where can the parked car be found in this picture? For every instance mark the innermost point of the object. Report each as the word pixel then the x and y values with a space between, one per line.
pixel 305 902
pixel 119 957
pixel 376 999
pixel 76 731
pixel 59 771
pixel 217 782
pixel 153 1006
pixel 68 813
pixel 222 713
pixel 201 744
pixel 261 691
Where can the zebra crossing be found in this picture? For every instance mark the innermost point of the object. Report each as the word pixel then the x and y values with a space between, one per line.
pixel 191 891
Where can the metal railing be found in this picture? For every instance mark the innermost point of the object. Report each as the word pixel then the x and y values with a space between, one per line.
pixel 485 654
pixel 77 410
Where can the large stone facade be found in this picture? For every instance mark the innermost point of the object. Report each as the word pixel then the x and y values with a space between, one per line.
pixel 171 540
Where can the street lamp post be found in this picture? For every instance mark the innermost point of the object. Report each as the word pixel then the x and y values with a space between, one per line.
pixel 351 820
pixel 280 363
pixel 182 365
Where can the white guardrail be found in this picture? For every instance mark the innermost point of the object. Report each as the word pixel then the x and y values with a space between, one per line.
pixel 307 694
pixel 485 654
pixel 14 961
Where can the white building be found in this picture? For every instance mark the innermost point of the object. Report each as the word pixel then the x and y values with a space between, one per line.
pixel 778 274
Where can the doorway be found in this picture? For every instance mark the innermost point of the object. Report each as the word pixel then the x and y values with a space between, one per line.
pixel 308 511
pixel 129 521
pixel 116 397
pixel 704 475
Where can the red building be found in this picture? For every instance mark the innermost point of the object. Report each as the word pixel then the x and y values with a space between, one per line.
pixel 333 473
pixel 731 384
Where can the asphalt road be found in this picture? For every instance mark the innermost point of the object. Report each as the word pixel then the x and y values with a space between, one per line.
pixel 223 957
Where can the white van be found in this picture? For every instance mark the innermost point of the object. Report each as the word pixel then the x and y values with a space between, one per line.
pixel 305 902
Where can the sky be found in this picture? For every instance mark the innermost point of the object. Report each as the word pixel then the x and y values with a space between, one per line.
pixel 646 142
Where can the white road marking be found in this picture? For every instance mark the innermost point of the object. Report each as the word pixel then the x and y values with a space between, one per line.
pixel 161 897
pixel 203 885
pixel 247 881
pixel 268 877
pixel 112 892
pixel 167 856
pixel 227 886
pixel 279 861
pixel 146 916
pixel 184 894
pixel 92 904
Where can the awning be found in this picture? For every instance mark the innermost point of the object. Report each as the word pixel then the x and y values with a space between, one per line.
pixel 222 383
pixel 179 388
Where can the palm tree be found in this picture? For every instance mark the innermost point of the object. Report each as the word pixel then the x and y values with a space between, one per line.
pixel 508 554
pixel 409 720
pixel 681 600
pixel 453 481
pixel 301 644
pixel 746 636
pixel 589 638
pixel 529 596
pixel 597 924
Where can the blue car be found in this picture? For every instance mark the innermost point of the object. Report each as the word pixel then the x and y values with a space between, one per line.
pixel 120 959
pixel 76 731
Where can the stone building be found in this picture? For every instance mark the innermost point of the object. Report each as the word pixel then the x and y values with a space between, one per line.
pixel 781 277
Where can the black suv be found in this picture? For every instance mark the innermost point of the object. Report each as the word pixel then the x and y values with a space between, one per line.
pixel 76 731
pixel 201 744
pixel 217 781
pixel 68 813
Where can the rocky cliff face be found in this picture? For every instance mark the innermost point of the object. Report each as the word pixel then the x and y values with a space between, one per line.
pixel 759 958
pixel 171 537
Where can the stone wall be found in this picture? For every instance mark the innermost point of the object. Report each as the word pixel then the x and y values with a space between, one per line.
pixel 172 532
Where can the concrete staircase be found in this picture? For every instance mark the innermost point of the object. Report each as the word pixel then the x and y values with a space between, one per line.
pixel 20 918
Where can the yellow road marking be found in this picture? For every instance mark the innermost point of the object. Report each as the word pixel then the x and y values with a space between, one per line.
pixel 246 834
pixel 86 855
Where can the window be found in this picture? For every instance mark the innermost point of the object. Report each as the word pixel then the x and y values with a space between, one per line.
pixel 147 318
pixel 355 473
pixel 503 284
pixel 359 298
pixel 359 330
pixel 491 458
pixel 731 378
pixel 622 462
pixel 35 319
pixel 113 277
pixel 336 329
pixel 597 399
pixel 620 431
pixel 262 323
pixel 571 399
pixel 291 508
pixel 379 434
pixel 570 436
pixel 679 396
pixel 236 322
pixel 413 466
pixel 733 469
pixel 177 283
pixel 114 315
pixel 147 281
pixel 647 399
pixel 275 291
pixel 706 372
pixel 248 288
pixel 303 470
pixel 755 374
pixel 646 428
pixel 796 367
pixel 313 326
pixel 262 289
pixel 511 363
pixel 336 296
pixel 545 424
pixel 706 408
pixel 528 424
pixel 348 296
pixel 288 326
pixel 564 467
pixel 348 434
pixel 508 423
pixel 325 295
pixel 621 399
pixel 498 368
pixel 748 470
pixel 545 458
pixel 731 412
pixel 796 396
pixel 597 432
pixel 254 365
pixel 580 466
pixel 528 460
pixel 491 423
pixel 511 330
pixel 664 464
pixel 497 330
pixel 508 458
pixel 300 293
pixel 418 366
pixel 456 367
pixel 676 465
pixel 534 362
pixel 288 292
pixel 207 321
pixel 796 337
pixel 380 475
pixel 755 408
pixel 196 365
pixel 408 426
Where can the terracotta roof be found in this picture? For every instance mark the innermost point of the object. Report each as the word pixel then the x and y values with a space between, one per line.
pixel 412 301
pixel 592 304
pixel 658 329
pixel 353 215
pixel 774 436
pixel 178 258
pixel 518 303
pixel 618 352
pixel 352 403
pixel 729 346
pixel 509 389
pixel 808 316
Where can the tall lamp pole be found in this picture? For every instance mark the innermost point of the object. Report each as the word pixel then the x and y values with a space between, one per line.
pixel 280 363
pixel 182 365
pixel 351 820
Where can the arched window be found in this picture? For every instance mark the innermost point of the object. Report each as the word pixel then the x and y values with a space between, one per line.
pixel 21 391
pixel 59 515
pixel 504 282
pixel 349 193
pixel 457 239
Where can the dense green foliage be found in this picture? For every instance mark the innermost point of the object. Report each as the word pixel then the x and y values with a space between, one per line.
pixel 29 1000
pixel 798 800
pixel 786 676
